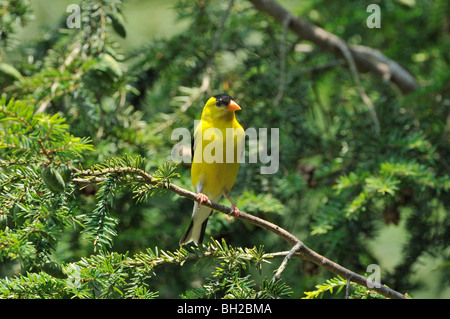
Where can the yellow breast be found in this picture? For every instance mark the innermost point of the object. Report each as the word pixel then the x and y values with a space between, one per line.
pixel 218 147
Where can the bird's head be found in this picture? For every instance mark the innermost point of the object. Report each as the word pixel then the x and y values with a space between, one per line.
pixel 220 105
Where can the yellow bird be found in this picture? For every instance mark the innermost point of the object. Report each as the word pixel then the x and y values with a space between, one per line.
pixel 216 151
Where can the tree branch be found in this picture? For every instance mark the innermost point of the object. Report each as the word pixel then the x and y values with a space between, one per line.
pixel 366 59
pixel 286 259
pixel 301 250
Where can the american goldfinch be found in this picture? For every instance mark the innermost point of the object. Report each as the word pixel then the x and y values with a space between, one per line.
pixel 216 150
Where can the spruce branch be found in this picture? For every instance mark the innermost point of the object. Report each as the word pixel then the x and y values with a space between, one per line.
pixel 301 250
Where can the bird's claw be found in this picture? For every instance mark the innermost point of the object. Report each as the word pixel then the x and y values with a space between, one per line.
pixel 201 198
pixel 235 212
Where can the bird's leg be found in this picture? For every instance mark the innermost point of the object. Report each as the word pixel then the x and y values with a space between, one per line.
pixel 201 198
pixel 234 209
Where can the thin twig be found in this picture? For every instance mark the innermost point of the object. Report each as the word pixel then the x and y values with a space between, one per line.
pixel 355 75
pixel 206 80
pixel 286 260
pixel 282 84
pixel 218 34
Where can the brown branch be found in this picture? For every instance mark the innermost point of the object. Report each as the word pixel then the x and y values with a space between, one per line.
pixel 300 249
pixel 286 259
pixel 366 59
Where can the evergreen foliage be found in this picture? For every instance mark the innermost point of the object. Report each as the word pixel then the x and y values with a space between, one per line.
pixel 85 122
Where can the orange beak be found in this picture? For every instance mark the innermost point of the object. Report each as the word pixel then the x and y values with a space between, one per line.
pixel 233 106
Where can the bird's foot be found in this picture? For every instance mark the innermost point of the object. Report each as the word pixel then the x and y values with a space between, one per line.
pixel 235 211
pixel 201 198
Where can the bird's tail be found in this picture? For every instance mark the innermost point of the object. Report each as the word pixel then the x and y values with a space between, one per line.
pixel 196 229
